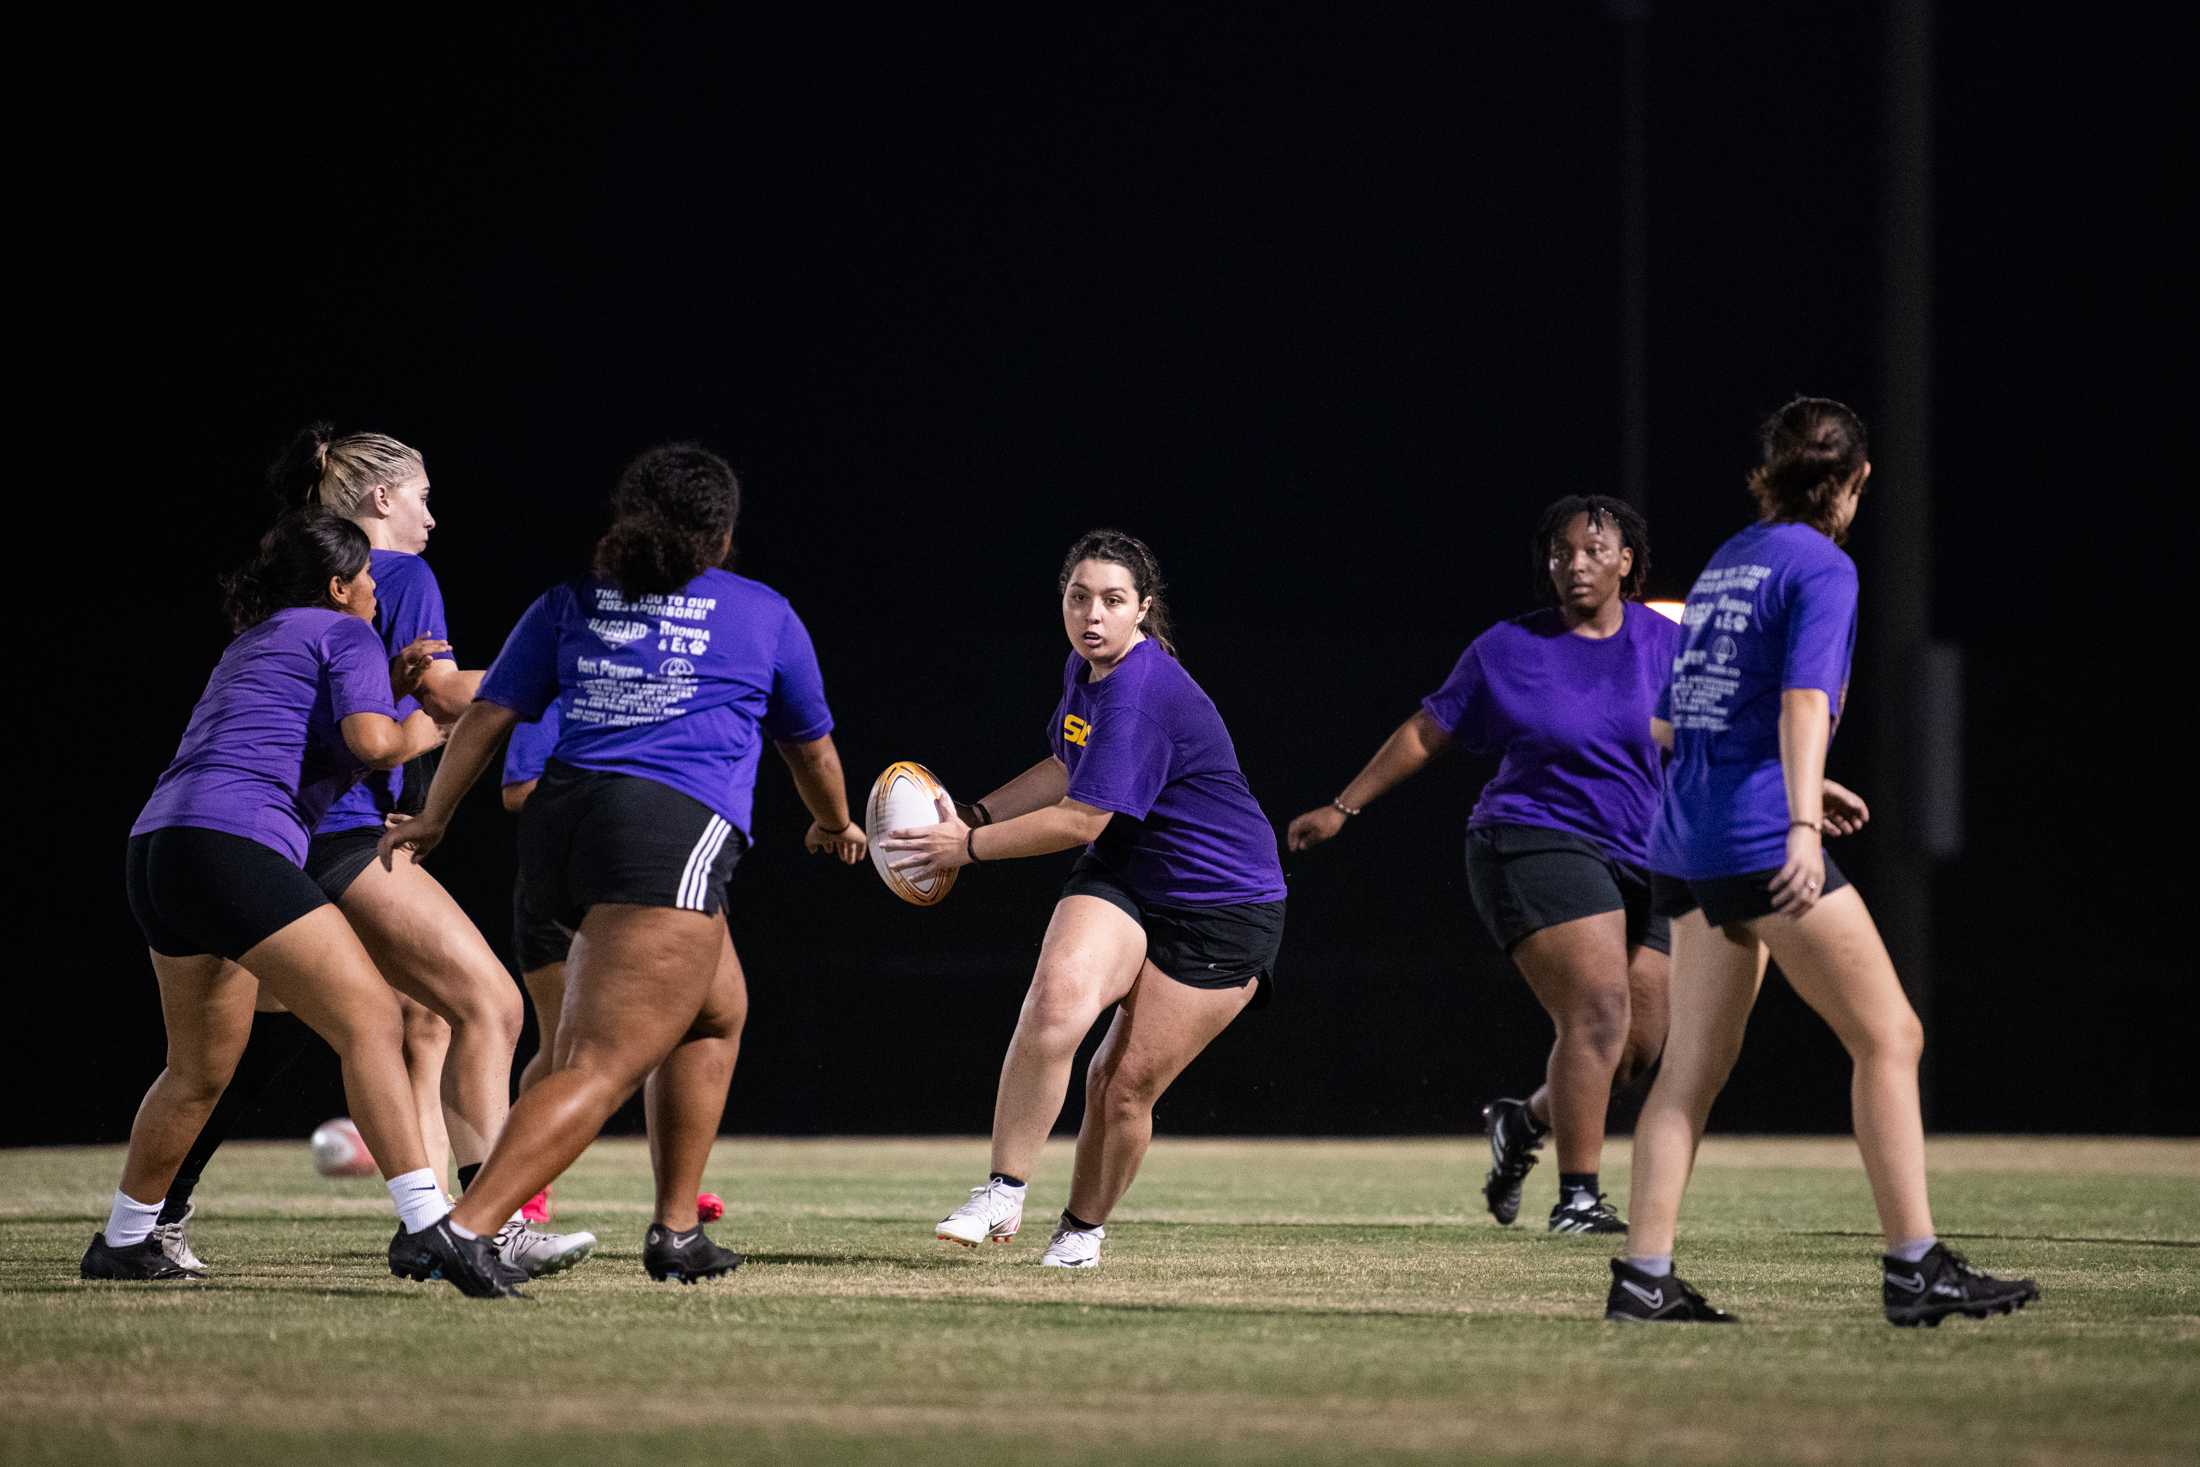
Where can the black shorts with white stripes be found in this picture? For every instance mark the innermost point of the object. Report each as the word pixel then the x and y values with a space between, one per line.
pixel 590 836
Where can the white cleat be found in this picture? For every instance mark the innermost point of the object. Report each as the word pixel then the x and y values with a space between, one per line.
pixel 1073 1248
pixel 174 1240
pixel 538 1255
pixel 992 1215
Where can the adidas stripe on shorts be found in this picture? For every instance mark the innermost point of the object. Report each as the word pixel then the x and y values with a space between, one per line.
pixel 588 836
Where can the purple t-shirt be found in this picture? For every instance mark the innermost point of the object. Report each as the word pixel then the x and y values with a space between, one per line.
pixel 264 753
pixel 1146 743
pixel 680 688
pixel 408 605
pixel 529 750
pixel 1571 717
pixel 1774 609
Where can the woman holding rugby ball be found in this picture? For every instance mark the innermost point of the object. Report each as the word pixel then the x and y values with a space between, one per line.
pixel 669 673
pixel 1755 696
pixel 1555 846
pixel 301 701
pixel 1173 914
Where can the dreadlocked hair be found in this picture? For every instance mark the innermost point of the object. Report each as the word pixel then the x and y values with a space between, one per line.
pixel 1602 510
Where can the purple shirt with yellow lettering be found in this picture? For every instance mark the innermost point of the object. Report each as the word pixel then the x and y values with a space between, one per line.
pixel 1146 743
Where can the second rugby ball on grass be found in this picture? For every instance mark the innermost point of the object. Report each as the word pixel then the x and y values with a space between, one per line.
pixel 903 798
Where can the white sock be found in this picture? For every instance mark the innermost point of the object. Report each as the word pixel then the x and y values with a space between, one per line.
pixel 464 1232
pixel 1912 1250
pixel 419 1201
pixel 1657 1265
pixel 130 1221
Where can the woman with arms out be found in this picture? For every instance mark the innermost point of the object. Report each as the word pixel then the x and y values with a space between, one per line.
pixel 462 1013
pixel 298 704
pixel 1173 915
pixel 1555 846
pixel 1756 692
pixel 669 673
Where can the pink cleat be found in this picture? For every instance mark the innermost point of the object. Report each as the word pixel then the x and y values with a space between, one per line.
pixel 709 1206
pixel 538 1208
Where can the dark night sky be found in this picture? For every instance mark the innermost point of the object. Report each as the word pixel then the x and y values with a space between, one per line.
pixel 1322 301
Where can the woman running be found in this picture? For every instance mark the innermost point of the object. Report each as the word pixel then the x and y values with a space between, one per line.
pixel 1173 914
pixel 668 673
pixel 300 701
pixel 459 998
pixel 1756 692
pixel 1555 846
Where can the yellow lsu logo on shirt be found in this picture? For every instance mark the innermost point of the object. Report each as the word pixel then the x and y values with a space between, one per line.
pixel 1075 729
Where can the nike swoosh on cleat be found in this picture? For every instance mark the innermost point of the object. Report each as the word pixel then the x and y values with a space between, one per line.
pixel 1912 1285
pixel 1655 1298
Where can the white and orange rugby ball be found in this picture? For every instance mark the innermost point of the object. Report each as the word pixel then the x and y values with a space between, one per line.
pixel 903 798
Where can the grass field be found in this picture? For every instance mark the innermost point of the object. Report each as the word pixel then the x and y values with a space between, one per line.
pixel 1274 1301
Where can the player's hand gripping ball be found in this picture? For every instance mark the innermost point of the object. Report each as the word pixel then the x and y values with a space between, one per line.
pixel 904 797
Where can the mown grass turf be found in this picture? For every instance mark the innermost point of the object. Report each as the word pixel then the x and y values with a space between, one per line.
pixel 1270 1301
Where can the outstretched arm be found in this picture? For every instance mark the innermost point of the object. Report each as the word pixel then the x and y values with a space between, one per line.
pixel 1404 754
pixel 1043 784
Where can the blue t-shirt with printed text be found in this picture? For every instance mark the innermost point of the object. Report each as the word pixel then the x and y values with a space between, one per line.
pixel 1774 609
pixel 1570 716
pixel 264 753
pixel 681 688
pixel 408 605
pixel 1147 744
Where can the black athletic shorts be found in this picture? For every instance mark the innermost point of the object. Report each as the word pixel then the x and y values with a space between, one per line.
pixel 335 861
pixel 196 891
pixel 1525 878
pixel 588 836
pixel 1201 947
pixel 1727 899
pixel 537 940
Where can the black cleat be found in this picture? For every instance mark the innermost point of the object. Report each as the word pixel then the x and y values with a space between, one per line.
pixel 470 1265
pixel 1643 1298
pixel 142 1261
pixel 1944 1283
pixel 1596 1216
pixel 1514 1141
pixel 689 1257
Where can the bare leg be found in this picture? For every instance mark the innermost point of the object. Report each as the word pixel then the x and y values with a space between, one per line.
pixel 546 986
pixel 1578 971
pixel 1716 974
pixel 1090 959
pixel 1160 1028
pixel 686 1095
pixel 1649 982
pixel 206 1003
pixel 431 952
pixel 1834 958
pixel 636 983
pixel 427 1040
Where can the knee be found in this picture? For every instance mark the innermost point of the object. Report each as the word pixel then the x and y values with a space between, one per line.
pixel 194 1080
pixel 491 1008
pixel 1599 1022
pixel 1126 1094
pixel 1898 1039
pixel 724 1023
pixel 1058 1011
pixel 425 1030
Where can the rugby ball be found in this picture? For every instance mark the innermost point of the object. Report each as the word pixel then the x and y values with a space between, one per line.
pixel 903 798
pixel 340 1151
